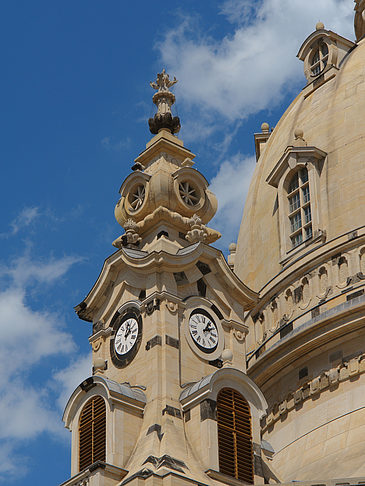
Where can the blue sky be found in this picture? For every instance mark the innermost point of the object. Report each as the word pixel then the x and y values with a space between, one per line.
pixel 75 99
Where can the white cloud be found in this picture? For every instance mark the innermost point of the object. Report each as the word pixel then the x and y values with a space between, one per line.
pixel 252 68
pixel 24 219
pixel 69 378
pixel 230 185
pixel 239 11
pixel 11 466
pixel 109 144
pixel 28 337
pixel 26 271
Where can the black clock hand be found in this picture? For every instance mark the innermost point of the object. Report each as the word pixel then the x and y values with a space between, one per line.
pixel 128 330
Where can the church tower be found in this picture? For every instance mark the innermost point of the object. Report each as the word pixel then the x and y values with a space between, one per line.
pixel 169 401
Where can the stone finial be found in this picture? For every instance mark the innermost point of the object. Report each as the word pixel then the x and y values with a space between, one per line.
pixel 227 357
pixel 299 140
pixel 163 82
pixel 265 127
pixel 319 25
pixel 163 99
pixel 232 254
pixel 99 364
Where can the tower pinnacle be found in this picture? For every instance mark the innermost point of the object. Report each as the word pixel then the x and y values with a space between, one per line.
pixel 163 99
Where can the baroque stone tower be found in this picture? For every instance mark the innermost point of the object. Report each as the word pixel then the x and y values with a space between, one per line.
pixel 169 401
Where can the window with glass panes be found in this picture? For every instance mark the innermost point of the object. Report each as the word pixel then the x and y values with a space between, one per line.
pixel 319 59
pixel 300 215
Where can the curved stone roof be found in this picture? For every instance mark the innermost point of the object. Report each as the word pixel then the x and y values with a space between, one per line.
pixel 224 377
pixel 121 392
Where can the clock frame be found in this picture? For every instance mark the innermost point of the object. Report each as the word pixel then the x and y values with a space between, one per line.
pixel 197 305
pixel 199 319
pixel 120 360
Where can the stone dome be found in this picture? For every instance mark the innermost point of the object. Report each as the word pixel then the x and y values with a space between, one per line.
pixel 331 117
pixel 301 246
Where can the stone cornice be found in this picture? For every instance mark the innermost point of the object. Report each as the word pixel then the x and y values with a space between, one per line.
pixel 163 144
pixel 307 337
pixel 146 263
pixel 314 387
pixel 313 259
pixel 291 157
pixel 318 34
pixel 117 393
pixel 107 470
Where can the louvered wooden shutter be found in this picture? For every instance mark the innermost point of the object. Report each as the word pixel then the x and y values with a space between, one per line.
pixel 234 435
pixel 92 432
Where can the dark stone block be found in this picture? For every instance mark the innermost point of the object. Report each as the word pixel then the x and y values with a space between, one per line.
pixel 217 311
pixel 202 288
pixel 354 295
pixel 174 412
pixel 203 267
pixel 156 340
pixel 286 330
pixel 170 341
pixel 208 410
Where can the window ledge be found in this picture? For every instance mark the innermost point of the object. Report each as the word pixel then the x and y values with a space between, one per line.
pixel 319 80
pixel 107 471
pixel 223 478
pixel 318 237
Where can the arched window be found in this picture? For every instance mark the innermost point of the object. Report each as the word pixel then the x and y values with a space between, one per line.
pixel 234 435
pixel 300 214
pixel 320 58
pixel 92 432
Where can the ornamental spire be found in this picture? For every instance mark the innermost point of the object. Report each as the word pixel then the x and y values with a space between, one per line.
pixel 163 99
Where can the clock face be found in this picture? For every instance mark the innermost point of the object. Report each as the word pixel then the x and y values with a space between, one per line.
pixel 126 339
pixel 203 331
pixel 126 336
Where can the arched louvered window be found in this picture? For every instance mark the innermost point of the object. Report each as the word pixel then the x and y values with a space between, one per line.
pixel 92 432
pixel 234 435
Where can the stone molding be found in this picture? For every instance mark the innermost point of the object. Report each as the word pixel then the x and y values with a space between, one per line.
pixel 106 471
pixel 209 386
pixel 326 380
pixel 143 264
pixel 331 275
pixel 122 394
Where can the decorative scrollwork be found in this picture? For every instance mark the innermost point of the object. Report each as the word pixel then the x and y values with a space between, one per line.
pixel 172 306
pixel 239 335
pixel 97 344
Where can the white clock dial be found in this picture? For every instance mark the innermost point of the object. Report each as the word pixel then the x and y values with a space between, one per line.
pixel 204 332
pixel 126 336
